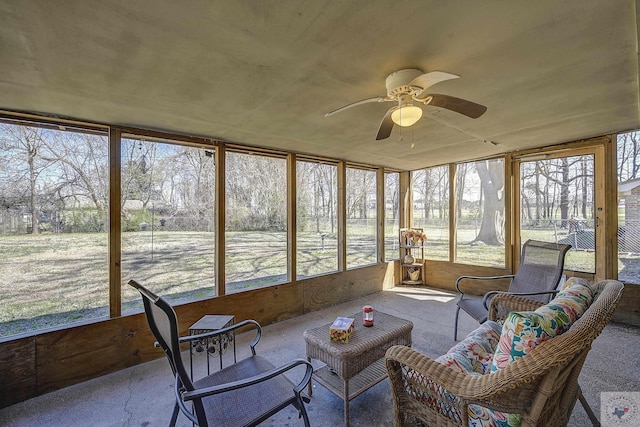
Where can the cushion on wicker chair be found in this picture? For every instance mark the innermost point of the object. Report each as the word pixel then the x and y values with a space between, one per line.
pixel 474 354
pixel 523 331
pixel 480 416
pixel 492 346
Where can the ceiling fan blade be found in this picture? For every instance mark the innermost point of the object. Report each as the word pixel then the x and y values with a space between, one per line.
pixel 429 79
pixel 462 106
pixel 353 104
pixel 385 126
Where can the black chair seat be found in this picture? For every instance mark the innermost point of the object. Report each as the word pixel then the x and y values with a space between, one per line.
pixel 249 405
pixel 474 308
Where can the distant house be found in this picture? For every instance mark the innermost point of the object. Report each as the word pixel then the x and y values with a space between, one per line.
pixel 629 234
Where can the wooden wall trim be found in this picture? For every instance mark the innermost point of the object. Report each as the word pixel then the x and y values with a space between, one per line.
pixel 342 217
pixel 601 216
pixel 611 215
pixel 380 211
pixel 453 234
pixel 405 200
pixel 516 213
pixel 292 223
pixel 511 212
pixel 115 228
pixel 221 208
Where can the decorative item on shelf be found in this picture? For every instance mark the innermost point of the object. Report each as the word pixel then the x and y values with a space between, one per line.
pixel 412 256
pixel 367 315
pixel 414 236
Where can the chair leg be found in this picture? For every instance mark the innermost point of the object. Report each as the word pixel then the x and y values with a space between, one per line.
pixel 302 410
pixel 455 325
pixel 174 416
pixel 587 409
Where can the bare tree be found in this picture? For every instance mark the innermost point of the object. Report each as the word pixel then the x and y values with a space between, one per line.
pixel 82 167
pixel 491 174
pixel 22 145
pixel 628 156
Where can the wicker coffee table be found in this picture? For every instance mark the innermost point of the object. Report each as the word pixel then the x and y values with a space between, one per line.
pixel 358 365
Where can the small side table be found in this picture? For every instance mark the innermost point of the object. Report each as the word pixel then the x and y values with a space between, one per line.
pixel 208 323
pixel 356 366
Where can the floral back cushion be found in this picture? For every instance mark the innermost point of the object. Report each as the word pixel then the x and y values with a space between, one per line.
pixel 523 331
pixel 474 354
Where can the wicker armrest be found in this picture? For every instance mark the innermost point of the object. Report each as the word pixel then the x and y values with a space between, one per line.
pixel 424 387
pixel 470 388
pixel 489 295
pixel 502 303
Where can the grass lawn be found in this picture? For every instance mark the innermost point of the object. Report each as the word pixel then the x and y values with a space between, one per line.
pixel 55 279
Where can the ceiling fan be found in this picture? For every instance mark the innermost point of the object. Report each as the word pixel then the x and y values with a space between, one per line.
pixel 406 87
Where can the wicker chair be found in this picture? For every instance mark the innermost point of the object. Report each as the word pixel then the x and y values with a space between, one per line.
pixel 539 272
pixel 542 386
pixel 242 394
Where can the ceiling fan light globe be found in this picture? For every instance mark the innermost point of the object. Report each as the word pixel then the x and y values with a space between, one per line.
pixel 406 115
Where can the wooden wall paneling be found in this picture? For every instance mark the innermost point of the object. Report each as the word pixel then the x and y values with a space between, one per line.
pixel 390 277
pixel 68 356
pixel 18 380
pixel 265 305
pixel 331 289
pixel 443 274
pixel 628 310
pixel 397 273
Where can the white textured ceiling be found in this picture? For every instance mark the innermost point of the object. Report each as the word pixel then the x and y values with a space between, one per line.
pixel 265 72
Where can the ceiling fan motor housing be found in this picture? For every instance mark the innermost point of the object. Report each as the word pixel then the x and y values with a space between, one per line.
pixel 398 83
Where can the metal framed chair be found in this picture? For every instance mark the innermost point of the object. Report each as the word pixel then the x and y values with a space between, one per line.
pixel 540 271
pixel 242 394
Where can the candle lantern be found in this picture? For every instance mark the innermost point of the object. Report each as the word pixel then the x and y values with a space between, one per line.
pixel 367 315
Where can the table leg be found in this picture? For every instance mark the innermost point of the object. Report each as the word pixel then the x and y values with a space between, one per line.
pixel 309 388
pixel 191 357
pixel 346 403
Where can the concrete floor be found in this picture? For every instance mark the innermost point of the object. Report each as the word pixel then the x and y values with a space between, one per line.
pixel 143 395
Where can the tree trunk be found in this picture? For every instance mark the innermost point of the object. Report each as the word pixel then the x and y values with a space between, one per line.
pixel 491 176
pixel 31 153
